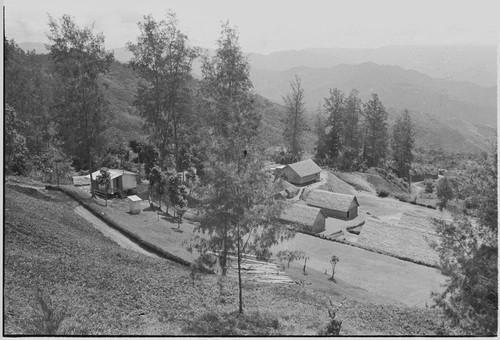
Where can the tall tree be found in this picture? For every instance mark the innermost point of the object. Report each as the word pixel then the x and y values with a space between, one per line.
pixel 320 130
pixel 351 130
pixel 334 107
pixel 29 92
pixel 403 138
pixel 239 214
pixel 468 252
pixel 163 60
pixel 294 120
pixel 375 130
pixel 82 112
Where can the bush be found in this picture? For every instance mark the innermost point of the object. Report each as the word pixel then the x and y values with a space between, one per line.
pixel 429 187
pixel 46 318
pixel 382 193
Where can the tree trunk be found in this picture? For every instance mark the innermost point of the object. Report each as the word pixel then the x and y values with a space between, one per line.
pixel 239 274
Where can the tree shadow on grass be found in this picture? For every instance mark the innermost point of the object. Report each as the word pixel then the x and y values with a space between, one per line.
pixel 332 279
pixel 150 208
pixel 169 218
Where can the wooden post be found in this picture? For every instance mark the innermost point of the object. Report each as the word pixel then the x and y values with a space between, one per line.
pixel 57 173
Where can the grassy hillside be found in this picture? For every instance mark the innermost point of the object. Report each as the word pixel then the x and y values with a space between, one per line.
pixel 109 290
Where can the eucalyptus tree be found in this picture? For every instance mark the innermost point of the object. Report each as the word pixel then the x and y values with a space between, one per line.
pixel 82 112
pixel 375 131
pixel 403 139
pixel 163 59
pixel 351 141
pixel 334 106
pixel 294 119
pixel 239 215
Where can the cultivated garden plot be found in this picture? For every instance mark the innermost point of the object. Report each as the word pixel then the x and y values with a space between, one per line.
pixel 407 243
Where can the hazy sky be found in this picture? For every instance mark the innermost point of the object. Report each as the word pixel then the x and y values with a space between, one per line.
pixel 271 25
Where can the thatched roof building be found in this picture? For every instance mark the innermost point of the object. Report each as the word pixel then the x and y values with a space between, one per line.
pixel 334 205
pixel 305 217
pixel 301 172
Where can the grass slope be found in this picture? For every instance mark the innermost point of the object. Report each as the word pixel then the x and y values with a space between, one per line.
pixel 108 290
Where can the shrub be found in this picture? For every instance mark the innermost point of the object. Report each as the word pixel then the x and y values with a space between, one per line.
pixel 382 193
pixel 46 319
pixel 429 187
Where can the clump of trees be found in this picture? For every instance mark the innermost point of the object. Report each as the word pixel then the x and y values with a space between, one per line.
pixel 16 152
pixel 468 252
pixel 355 134
pixel 444 192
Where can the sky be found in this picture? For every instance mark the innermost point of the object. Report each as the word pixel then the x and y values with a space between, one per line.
pixel 266 26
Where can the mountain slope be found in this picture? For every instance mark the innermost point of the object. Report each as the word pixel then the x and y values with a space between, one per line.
pixel 453 62
pixel 395 86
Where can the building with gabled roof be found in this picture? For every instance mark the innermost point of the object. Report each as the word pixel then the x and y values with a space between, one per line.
pixel 333 204
pixel 121 181
pixel 306 218
pixel 301 172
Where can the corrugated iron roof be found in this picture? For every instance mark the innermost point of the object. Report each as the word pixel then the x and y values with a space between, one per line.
pixel 134 198
pixel 305 168
pixel 328 200
pixel 301 214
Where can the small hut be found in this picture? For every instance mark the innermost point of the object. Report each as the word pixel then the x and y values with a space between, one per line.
pixel 135 206
pixel 307 218
pixel 121 182
pixel 334 205
pixel 301 172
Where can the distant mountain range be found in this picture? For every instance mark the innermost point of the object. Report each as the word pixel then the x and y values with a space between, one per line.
pixel 477 64
pixel 396 87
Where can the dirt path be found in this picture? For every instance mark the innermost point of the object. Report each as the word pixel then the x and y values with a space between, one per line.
pixel 110 232
pixel 416 190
